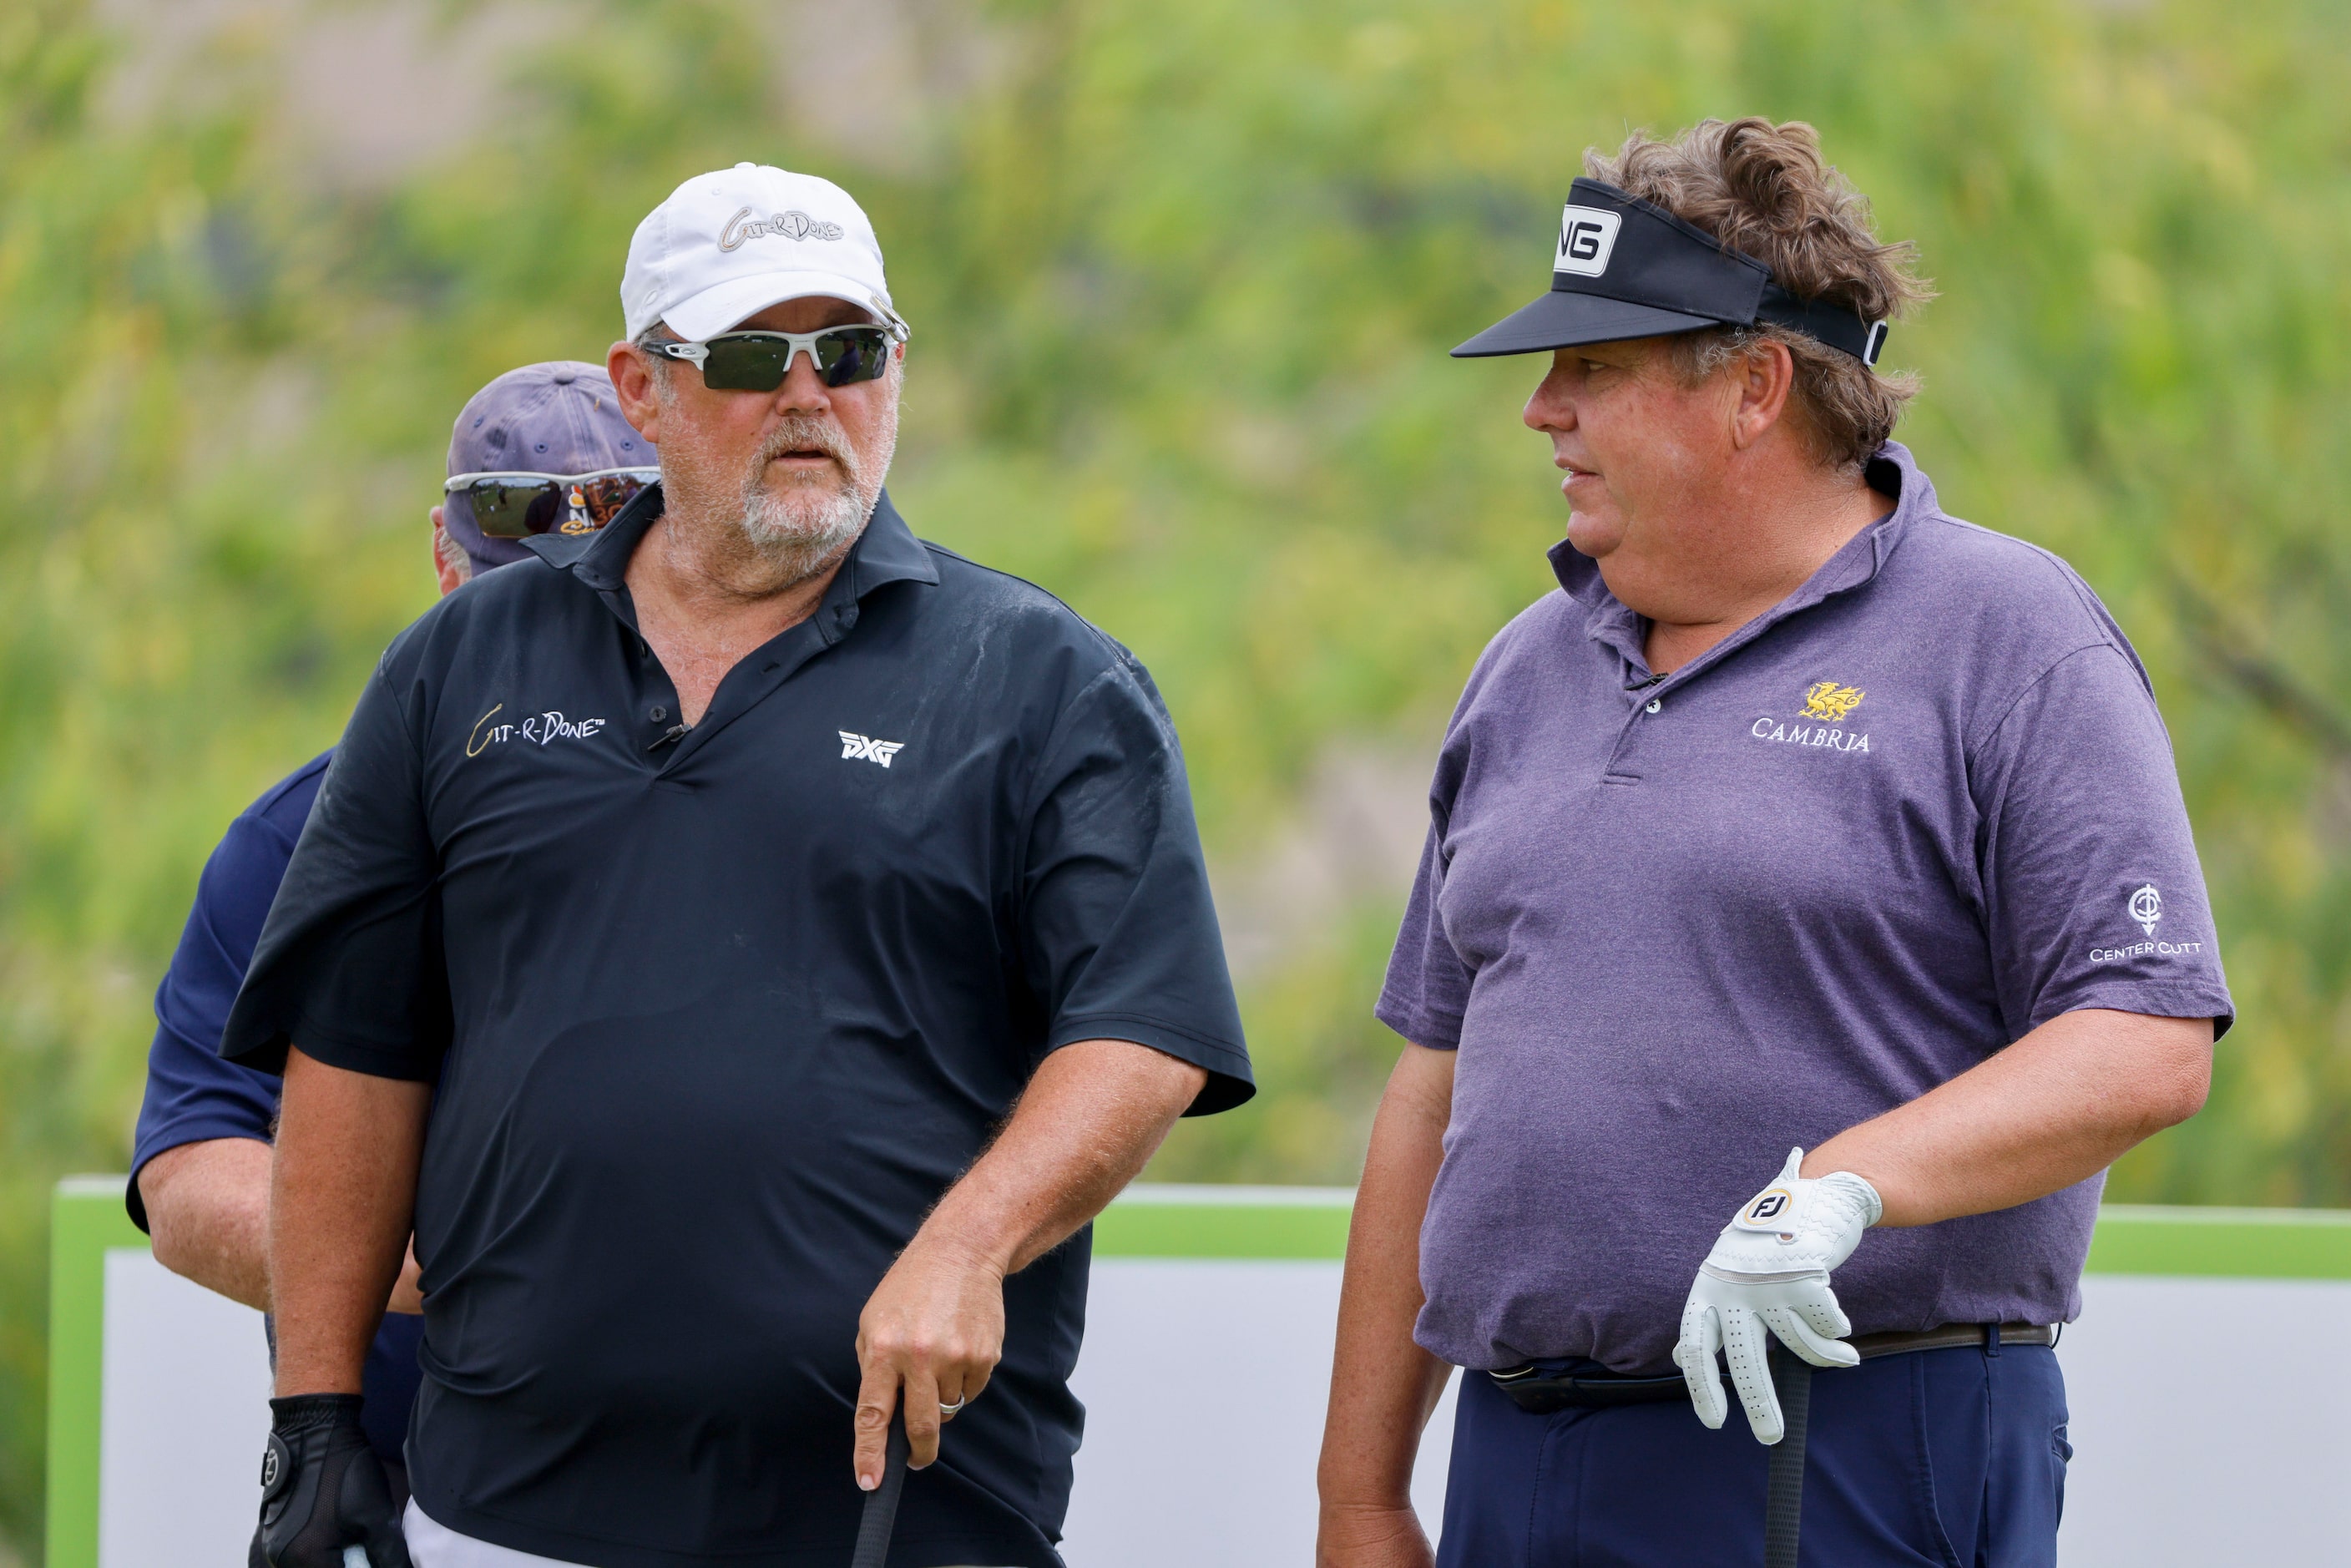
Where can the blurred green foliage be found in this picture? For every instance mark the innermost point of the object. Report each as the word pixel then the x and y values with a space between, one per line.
pixel 1182 279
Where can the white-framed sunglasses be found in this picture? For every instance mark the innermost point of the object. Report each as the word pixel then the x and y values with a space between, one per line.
pixel 759 361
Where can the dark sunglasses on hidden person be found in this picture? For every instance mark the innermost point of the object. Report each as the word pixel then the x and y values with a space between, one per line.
pixel 759 361
pixel 514 505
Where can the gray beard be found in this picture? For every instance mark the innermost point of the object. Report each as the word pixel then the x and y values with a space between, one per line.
pixel 803 528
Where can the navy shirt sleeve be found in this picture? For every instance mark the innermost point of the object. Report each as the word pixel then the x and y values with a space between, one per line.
pixel 1119 935
pixel 358 903
pixel 2093 893
pixel 192 1094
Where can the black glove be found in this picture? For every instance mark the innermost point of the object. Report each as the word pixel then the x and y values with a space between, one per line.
pixel 323 1488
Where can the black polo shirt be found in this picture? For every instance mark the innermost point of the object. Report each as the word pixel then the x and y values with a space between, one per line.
pixel 717 1015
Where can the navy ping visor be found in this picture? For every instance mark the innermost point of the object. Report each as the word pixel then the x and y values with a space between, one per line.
pixel 1626 268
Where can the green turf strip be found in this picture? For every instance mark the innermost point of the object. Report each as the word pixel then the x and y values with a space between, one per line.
pixel 1310 1223
pixel 2229 1243
pixel 1169 1221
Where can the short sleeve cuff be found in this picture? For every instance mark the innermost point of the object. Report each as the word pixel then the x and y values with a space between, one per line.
pixel 1418 1024
pixel 2150 998
pixel 178 1135
pixel 1230 1081
pixel 336 1049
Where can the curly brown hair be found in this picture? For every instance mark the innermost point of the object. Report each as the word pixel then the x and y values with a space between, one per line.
pixel 1765 189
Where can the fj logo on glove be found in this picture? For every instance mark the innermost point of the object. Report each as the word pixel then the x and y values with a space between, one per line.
pixel 1767 1278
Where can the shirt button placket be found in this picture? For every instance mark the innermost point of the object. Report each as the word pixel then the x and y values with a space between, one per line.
pixel 1618 771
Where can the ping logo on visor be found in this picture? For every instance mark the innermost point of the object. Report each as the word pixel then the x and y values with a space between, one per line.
pixel 1586 236
pixel 1625 268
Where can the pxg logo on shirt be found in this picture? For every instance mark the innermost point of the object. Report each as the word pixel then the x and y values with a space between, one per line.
pixel 1586 236
pixel 538 729
pixel 864 748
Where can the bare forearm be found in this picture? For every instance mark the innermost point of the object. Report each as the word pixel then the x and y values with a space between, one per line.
pixel 934 1328
pixel 345 1192
pixel 1091 1117
pixel 2055 1108
pixel 1383 1385
pixel 208 1213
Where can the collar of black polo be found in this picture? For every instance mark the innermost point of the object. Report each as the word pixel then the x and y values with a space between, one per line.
pixel 1628 269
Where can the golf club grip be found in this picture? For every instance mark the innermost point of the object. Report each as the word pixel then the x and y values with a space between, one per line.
pixel 1784 1490
pixel 881 1514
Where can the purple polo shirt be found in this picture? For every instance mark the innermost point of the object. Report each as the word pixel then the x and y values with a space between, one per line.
pixel 1924 806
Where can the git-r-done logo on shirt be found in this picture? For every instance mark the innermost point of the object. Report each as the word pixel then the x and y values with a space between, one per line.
pixel 533 729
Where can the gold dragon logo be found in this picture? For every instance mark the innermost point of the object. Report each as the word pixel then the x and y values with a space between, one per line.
pixel 1831 701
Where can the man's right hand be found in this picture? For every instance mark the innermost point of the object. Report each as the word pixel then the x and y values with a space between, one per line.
pixel 1368 1537
pixel 322 1488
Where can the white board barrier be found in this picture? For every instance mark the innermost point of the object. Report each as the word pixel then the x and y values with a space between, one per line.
pixel 2210 1422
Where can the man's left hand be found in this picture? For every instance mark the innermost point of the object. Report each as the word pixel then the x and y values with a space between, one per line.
pixel 1770 1270
pixel 931 1335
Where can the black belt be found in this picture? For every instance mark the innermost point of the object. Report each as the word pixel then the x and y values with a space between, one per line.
pixel 1532 1391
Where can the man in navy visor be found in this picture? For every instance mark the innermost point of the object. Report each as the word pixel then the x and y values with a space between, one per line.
pixel 1809 916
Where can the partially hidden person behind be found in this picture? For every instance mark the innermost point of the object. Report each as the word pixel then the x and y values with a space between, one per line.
pixel 807 932
pixel 1804 817
pixel 540 447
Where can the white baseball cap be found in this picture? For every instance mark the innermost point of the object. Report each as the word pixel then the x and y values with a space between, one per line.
pixel 727 245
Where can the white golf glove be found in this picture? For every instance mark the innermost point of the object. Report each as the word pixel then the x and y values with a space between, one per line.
pixel 1770 1269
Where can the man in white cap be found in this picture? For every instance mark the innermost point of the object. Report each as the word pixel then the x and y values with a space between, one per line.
pixel 807 932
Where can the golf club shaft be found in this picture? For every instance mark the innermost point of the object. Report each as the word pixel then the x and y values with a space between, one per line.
pixel 881 1514
pixel 1783 1494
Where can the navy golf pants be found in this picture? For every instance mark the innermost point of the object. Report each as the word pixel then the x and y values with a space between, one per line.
pixel 1949 1457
